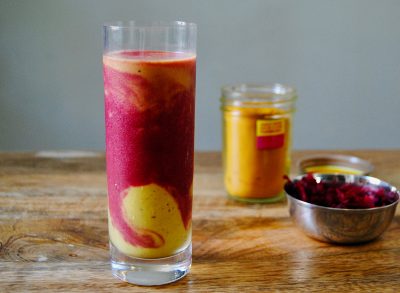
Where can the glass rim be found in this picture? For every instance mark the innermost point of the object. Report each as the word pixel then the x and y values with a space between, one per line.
pixel 268 92
pixel 132 24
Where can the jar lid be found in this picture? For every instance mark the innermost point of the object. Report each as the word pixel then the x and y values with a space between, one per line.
pixel 334 164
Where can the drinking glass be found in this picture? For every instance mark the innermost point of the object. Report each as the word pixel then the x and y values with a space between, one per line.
pixel 149 92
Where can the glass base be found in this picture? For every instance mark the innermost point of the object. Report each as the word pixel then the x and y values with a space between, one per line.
pixel 150 272
pixel 274 199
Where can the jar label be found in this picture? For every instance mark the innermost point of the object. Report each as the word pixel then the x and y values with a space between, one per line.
pixel 270 134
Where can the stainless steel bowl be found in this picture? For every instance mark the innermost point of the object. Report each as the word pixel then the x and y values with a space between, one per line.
pixel 346 226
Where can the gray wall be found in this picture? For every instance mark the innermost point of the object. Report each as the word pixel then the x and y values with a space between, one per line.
pixel 343 57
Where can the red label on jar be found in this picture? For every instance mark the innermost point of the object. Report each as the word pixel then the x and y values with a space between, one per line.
pixel 270 134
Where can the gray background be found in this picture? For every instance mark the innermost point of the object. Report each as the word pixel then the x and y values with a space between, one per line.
pixel 342 56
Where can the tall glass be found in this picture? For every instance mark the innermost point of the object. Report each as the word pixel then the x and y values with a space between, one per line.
pixel 149 91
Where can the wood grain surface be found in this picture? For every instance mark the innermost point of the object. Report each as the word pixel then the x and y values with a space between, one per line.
pixel 53 234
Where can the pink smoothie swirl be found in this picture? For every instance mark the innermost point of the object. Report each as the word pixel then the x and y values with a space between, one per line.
pixel 149 133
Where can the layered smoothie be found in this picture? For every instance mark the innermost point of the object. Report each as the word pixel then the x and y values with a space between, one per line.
pixel 149 110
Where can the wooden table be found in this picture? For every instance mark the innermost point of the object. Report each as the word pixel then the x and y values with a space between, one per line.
pixel 53 234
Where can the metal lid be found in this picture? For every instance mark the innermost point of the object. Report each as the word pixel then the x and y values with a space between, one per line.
pixel 334 164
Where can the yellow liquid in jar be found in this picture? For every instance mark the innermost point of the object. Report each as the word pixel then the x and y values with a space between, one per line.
pixel 332 169
pixel 250 172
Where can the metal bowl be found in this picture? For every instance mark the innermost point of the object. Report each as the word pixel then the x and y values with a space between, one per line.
pixel 344 226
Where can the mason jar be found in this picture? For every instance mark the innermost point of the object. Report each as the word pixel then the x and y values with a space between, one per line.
pixel 257 137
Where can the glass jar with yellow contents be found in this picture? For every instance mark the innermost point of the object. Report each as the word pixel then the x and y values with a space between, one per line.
pixel 257 127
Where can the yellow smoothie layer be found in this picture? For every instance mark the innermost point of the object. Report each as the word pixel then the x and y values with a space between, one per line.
pixel 152 209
